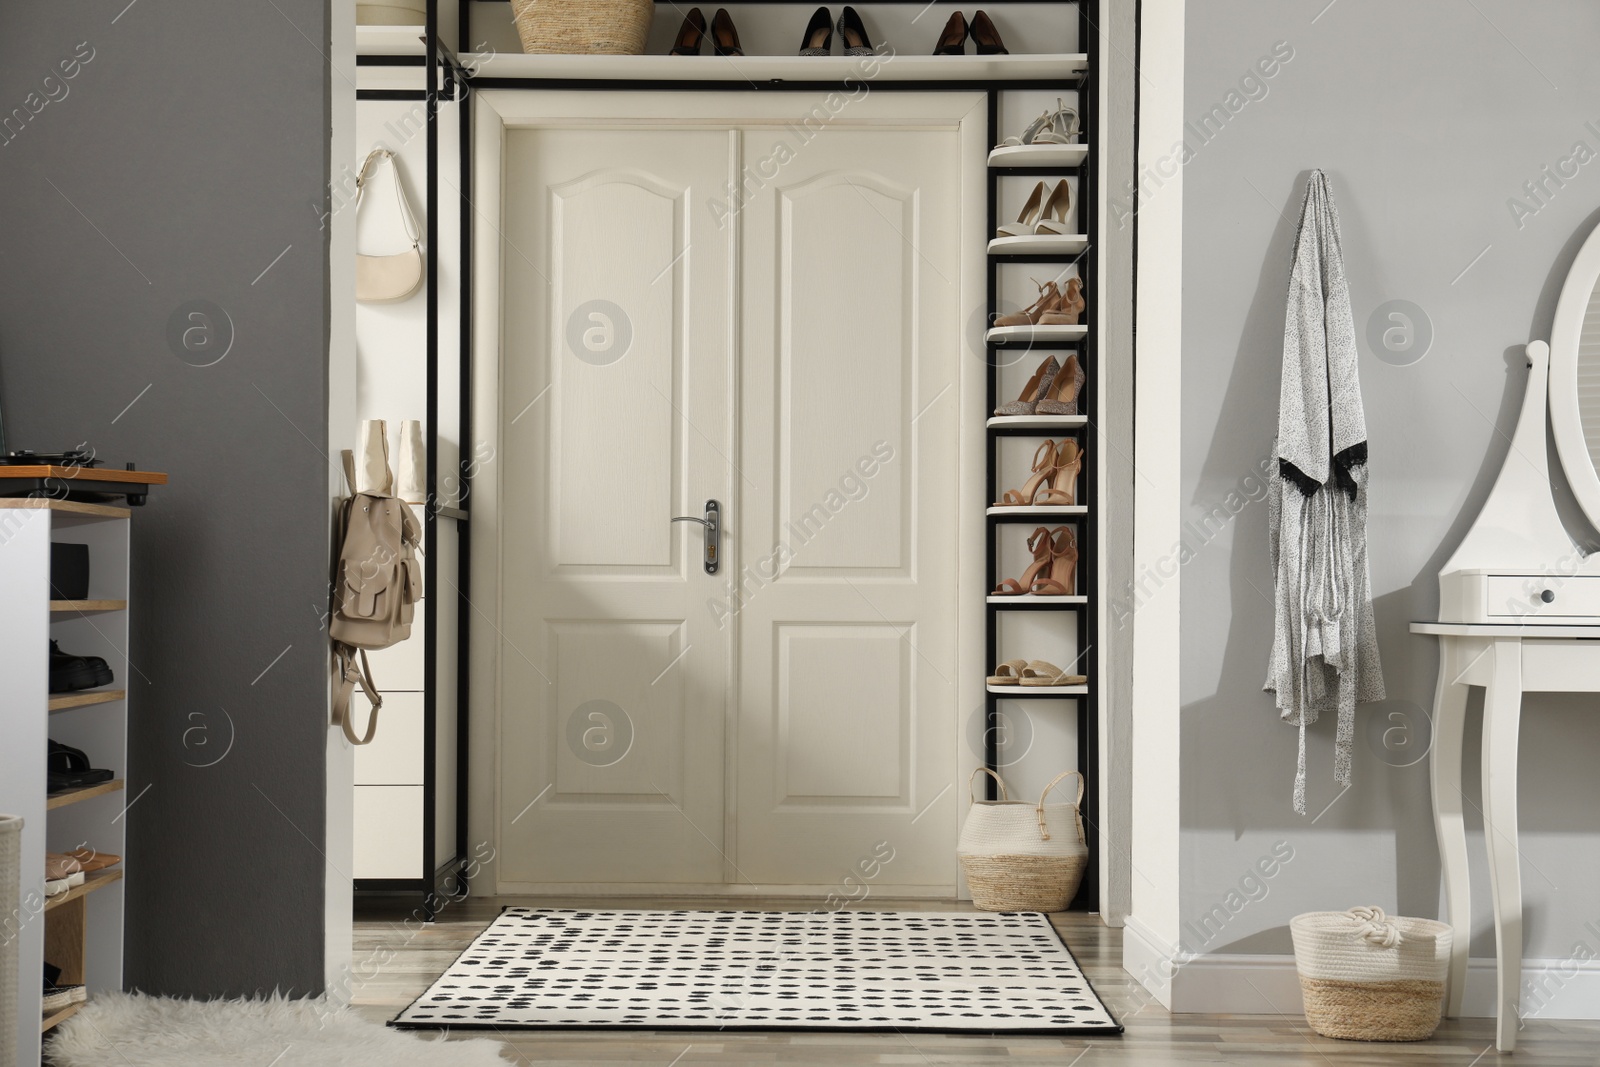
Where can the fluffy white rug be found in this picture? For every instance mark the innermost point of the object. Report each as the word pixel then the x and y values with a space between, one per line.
pixel 132 1030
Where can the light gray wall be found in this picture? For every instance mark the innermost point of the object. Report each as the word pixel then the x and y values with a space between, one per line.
pixel 175 165
pixel 1428 118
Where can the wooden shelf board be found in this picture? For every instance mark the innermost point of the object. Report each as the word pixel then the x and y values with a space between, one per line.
pixel 1039 155
pixel 63 701
pixel 96 474
pixel 56 1018
pixel 886 67
pixel 1040 690
pixel 61 800
pixel 1036 422
pixel 85 607
pixel 75 507
pixel 1039 244
pixel 1029 598
pixel 97 880
pixel 1043 509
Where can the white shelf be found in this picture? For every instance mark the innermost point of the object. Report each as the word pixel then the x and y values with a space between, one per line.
pixel 1064 156
pixel 1036 422
pixel 889 67
pixel 1042 510
pixel 1029 598
pixel 389 40
pixel 1039 244
pixel 1035 336
pixel 1040 690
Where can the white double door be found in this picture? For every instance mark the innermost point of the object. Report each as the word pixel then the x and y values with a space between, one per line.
pixel 745 315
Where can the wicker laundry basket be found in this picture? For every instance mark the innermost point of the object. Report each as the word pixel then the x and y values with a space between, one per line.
pixel 1367 976
pixel 583 27
pixel 1019 856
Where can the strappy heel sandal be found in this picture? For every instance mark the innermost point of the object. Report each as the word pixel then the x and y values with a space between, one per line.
pixel 1062 577
pixel 1062 397
pixel 1052 219
pixel 1041 488
pixel 1051 127
pixel 1037 386
pixel 1045 311
pixel 1069 464
pixel 1009 672
pixel 1028 221
pixel 1041 546
pixel 1044 673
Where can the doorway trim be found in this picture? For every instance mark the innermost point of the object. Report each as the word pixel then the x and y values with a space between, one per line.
pixel 494 113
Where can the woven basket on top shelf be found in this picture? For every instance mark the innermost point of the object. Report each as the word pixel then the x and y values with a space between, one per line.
pixel 1019 856
pixel 1367 976
pixel 583 27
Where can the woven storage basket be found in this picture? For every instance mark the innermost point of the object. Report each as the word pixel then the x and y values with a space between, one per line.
pixel 1019 856
pixel 1367 976
pixel 584 27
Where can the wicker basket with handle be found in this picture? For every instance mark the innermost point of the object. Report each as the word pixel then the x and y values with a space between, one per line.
pixel 583 27
pixel 1367 976
pixel 1019 856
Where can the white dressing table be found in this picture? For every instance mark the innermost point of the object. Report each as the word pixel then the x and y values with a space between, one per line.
pixel 1519 611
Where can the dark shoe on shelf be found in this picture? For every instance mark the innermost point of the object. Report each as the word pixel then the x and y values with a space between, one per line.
pixel 953 38
pixel 69 673
pixel 818 39
pixel 724 38
pixel 985 38
pixel 853 34
pixel 68 768
pixel 690 34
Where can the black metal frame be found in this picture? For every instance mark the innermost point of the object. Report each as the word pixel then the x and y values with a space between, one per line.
pixel 460 85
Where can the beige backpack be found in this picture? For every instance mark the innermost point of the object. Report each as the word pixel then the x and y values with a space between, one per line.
pixel 376 583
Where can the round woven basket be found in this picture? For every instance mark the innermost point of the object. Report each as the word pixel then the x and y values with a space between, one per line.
pixel 1367 976
pixel 583 27
pixel 1023 857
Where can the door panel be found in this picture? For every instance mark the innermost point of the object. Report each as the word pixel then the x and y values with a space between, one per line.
pixel 615 382
pixel 846 713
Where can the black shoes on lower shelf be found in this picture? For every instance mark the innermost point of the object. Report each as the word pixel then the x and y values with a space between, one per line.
pixel 69 769
pixel 56 996
pixel 69 673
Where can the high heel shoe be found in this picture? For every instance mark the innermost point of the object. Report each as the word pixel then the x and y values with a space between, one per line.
pixel 690 34
pixel 1027 222
pixel 1068 465
pixel 985 38
pixel 1037 387
pixel 1044 311
pixel 953 38
pixel 1040 489
pixel 818 39
pixel 1072 303
pixel 1051 127
pixel 1062 396
pixel 1043 556
pixel 1052 220
pixel 853 34
pixel 1062 576
pixel 724 38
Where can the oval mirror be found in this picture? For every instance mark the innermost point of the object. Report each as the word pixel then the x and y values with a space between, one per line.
pixel 1575 377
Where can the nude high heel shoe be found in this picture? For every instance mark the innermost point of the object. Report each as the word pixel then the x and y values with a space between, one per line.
pixel 1037 387
pixel 1068 465
pixel 1045 311
pixel 1041 488
pixel 1072 303
pixel 1062 396
pixel 1052 219
pixel 1062 577
pixel 1040 545
pixel 1028 221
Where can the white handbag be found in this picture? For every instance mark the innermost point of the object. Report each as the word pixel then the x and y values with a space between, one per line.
pixel 385 279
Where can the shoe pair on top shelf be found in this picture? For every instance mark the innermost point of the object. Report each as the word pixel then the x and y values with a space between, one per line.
pixel 1053 390
pixel 985 38
pixel 724 38
pixel 817 40
pixel 1056 466
pixel 1036 672
pixel 1054 570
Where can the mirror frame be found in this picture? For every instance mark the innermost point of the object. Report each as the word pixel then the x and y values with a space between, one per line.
pixel 1566 420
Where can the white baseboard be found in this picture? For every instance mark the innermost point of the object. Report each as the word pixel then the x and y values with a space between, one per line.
pixel 1221 984
pixel 1147 959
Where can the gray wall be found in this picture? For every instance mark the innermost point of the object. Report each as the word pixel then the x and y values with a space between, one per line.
pixel 1428 117
pixel 176 163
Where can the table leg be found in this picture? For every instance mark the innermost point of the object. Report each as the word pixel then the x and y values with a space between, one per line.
pixel 1449 823
pixel 1502 707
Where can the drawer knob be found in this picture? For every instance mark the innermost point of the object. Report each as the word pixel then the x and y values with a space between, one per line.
pixel 1548 596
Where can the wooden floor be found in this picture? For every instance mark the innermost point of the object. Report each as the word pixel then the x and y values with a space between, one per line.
pixel 397 957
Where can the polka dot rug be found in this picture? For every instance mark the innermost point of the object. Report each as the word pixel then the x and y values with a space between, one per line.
pixel 546 968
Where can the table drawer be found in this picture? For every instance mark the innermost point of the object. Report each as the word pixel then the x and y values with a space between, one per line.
pixel 1514 596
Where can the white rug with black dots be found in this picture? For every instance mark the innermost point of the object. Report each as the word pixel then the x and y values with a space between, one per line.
pixel 547 968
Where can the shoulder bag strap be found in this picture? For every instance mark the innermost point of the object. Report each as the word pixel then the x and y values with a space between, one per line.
pixel 352 677
pixel 368 169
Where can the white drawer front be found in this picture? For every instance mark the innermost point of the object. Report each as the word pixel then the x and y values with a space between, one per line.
pixel 395 755
pixel 388 831
pixel 1513 596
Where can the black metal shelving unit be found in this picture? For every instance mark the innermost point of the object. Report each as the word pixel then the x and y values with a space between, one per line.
pixel 446 79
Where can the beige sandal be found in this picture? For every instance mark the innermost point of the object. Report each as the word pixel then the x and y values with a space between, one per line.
pixel 1040 545
pixel 1043 673
pixel 1040 489
pixel 1009 672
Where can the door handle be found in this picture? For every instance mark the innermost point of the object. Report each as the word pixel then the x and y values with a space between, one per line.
pixel 713 531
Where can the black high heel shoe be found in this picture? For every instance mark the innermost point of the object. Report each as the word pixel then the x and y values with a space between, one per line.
pixel 853 35
pixel 818 39
pixel 724 38
pixel 953 38
pixel 985 37
pixel 690 34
